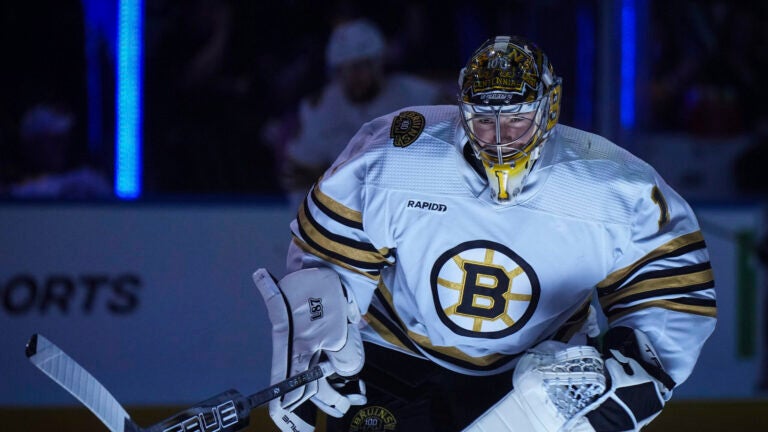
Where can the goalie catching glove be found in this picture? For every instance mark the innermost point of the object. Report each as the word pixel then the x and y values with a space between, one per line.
pixel 559 388
pixel 314 321
pixel 638 384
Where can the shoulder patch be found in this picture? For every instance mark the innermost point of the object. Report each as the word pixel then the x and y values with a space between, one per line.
pixel 406 128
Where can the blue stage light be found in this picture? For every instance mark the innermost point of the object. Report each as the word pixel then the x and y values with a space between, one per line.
pixel 628 63
pixel 128 131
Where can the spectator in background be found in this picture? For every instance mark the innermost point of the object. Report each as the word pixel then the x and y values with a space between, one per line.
pixel 49 166
pixel 359 89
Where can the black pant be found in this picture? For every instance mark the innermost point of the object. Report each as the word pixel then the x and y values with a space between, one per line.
pixel 409 394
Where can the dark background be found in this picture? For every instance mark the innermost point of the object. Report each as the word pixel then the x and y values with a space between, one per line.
pixel 215 120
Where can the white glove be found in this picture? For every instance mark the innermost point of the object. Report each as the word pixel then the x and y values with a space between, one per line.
pixel 572 389
pixel 313 319
pixel 552 383
pixel 638 385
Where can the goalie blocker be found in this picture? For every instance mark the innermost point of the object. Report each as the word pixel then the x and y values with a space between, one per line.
pixel 313 318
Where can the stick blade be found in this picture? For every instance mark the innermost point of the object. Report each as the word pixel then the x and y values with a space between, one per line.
pixel 66 372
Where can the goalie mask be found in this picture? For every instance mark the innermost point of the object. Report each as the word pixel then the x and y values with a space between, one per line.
pixel 510 102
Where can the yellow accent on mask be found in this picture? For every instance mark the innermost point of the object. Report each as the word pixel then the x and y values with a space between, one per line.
pixel 500 174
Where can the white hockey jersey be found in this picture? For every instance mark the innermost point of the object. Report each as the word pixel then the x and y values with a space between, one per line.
pixel 443 272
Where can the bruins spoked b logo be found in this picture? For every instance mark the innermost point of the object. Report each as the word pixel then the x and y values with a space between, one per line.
pixel 373 418
pixel 483 289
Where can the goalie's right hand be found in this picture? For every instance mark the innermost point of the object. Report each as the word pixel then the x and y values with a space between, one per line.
pixel 313 319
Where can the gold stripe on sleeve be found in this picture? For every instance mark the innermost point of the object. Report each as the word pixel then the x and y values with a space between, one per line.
pixel 666 248
pixel 338 208
pixel 309 249
pixel 658 284
pixel 709 311
pixel 351 252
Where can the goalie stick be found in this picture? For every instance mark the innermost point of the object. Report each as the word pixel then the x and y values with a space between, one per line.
pixel 226 412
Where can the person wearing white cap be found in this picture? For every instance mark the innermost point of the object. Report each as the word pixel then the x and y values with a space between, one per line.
pixel 359 90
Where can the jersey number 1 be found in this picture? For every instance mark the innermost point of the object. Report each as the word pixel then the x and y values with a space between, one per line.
pixel 658 198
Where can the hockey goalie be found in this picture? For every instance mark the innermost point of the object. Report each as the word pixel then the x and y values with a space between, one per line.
pixel 482 267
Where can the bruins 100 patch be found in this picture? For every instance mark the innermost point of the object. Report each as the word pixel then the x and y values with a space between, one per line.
pixel 373 419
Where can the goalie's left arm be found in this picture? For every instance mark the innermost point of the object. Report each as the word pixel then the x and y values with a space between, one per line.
pixel 662 280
